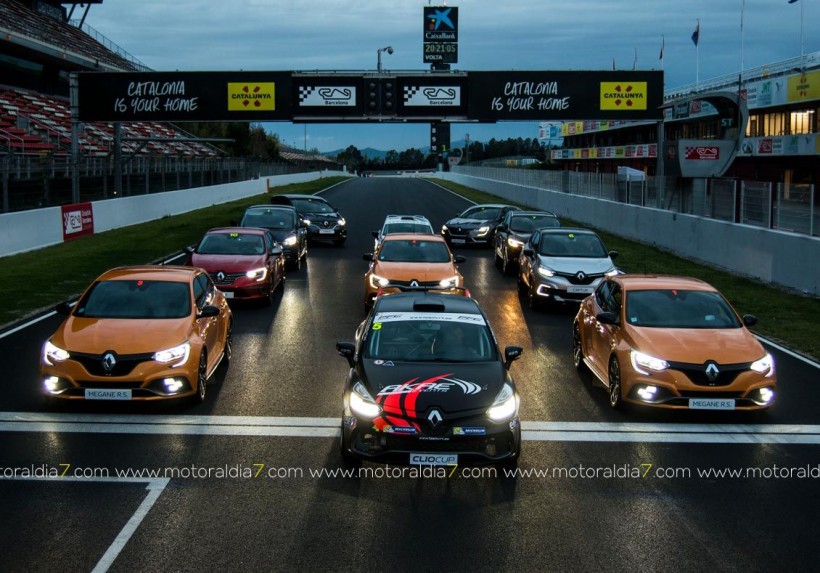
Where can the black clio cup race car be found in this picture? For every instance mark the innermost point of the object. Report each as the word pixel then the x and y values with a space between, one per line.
pixel 427 385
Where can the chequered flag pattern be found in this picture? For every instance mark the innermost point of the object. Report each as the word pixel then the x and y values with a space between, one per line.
pixel 305 91
pixel 409 92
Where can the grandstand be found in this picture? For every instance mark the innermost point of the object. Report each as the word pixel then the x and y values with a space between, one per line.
pixel 40 46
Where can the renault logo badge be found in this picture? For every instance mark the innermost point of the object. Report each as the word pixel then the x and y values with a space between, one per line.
pixel 580 275
pixel 435 418
pixel 108 362
pixel 414 283
pixel 712 372
pixel 220 277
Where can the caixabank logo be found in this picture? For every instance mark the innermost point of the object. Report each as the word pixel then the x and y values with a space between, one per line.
pixel 627 96
pixel 251 96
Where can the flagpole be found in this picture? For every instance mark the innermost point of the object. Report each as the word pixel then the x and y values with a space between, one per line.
pixel 742 10
pixel 697 57
pixel 801 32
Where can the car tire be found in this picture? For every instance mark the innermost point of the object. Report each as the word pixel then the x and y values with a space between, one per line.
pixel 227 352
pixel 532 298
pixel 616 399
pixel 348 459
pixel 202 378
pixel 577 348
pixel 522 286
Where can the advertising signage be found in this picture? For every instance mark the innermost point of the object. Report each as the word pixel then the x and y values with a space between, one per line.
pixel 536 95
pixel 184 96
pixel 432 96
pixel 332 96
pixel 440 35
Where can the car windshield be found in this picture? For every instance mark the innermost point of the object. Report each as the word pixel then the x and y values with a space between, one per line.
pixel 679 309
pixel 416 337
pixel 392 228
pixel 488 213
pixel 231 244
pixel 529 223
pixel 582 245
pixel 414 251
pixel 312 206
pixel 135 299
pixel 276 219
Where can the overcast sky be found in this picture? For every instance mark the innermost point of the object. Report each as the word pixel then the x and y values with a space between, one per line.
pixel 210 35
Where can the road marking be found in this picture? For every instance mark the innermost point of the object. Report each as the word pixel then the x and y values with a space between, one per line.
pixel 300 427
pixel 155 487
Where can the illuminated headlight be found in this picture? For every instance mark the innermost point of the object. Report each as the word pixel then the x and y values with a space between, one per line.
pixel 647 393
pixel 444 229
pixel 613 272
pixel 51 384
pixel 341 221
pixel 504 406
pixel 376 281
pixel 258 274
pixel 483 230
pixel 289 241
pixel 52 354
pixel 177 354
pixel 515 243
pixel 173 385
pixel 362 404
pixel 766 395
pixel 765 365
pixel 449 283
pixel 643 362
pixel 545 272
pixel 307 221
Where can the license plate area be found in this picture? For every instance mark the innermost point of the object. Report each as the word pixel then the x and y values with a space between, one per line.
pixel 580 290
pixel 103 394
pixel 427 459
pixel 711 404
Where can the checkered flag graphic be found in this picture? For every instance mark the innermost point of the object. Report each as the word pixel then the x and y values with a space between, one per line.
pixel 409 92
pixel 304 92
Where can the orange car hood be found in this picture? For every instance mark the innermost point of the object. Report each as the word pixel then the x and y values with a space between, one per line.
pixel 697 345
pixel 418 271
pixel 123 336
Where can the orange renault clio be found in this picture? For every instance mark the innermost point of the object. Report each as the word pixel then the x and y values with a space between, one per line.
pixel 411 260
pixel 139 333
pixel 672 342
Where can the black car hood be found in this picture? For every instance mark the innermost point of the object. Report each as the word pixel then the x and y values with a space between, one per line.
pixel 468 223
pixel 313 217
pixel 410 388
pixel 281 234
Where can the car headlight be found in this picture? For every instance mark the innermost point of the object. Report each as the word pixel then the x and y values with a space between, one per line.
pixel 306 221
pixel 177 354
pixel 504 406
pixel 341 221
pixel 483 230
pixel 289 241
pixel 52 353
pixel 614 271
pixel 546 272
pixel 258 274
pixel 515 243
pixel 643 362
pixel 376 281
pixel 444 229
pixel 449 283
pixel 764 365
pixel 362 404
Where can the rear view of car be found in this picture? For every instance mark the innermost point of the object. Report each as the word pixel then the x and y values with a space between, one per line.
pixel 563 265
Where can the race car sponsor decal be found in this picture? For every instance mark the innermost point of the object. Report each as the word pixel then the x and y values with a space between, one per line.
pixel 441 384
pixel 469 431
pixel 418 316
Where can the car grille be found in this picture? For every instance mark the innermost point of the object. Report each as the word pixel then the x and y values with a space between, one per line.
pixel 702 394
pixel 93 363
pixel 227 278
pixel 574 279
pixel 108 385
pixel 419 283
pixel 697 373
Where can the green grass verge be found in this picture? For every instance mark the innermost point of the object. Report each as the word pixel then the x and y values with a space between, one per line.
pixel 785 317
pixel 39 279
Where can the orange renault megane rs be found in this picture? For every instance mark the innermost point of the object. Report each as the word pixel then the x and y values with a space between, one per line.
pixel 139 333
pixel 672 342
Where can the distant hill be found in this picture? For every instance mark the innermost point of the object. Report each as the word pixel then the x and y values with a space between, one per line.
pixel 370 153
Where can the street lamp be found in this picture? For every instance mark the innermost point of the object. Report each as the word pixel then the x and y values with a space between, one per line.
pixel 389 50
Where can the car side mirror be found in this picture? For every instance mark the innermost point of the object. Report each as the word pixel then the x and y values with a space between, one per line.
pixel 749 320
pixel 459 259
pixel 208 311
pixel 63 309
pixel 276 250
pixel 613 254
pixel 608 318
pixel 347 350
pixel 375 234
pixel 189 250
pixel 367 257
pixel 511 354
pixel 528 252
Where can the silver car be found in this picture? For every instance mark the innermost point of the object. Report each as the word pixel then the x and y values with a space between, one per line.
pixel 560 265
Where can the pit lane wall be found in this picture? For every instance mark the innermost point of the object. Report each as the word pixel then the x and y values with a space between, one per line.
pixel 777 257
pixel 29 230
